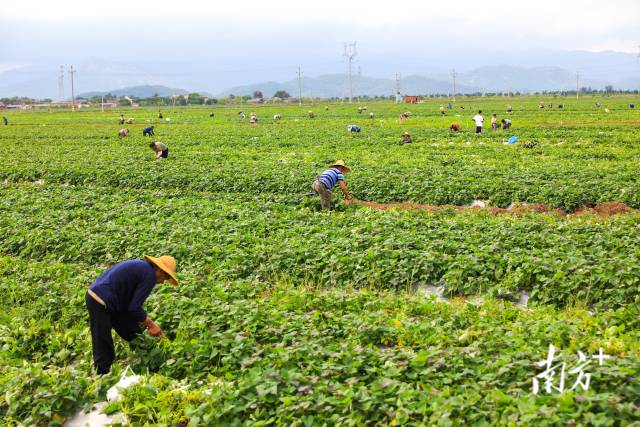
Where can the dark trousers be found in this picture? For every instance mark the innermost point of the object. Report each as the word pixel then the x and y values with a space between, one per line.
pixel 101 322
pixel 478 129
pixel 165 153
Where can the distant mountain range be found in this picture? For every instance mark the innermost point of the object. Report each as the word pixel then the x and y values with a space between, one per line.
pixel 485 79
pixel 144 91
pixel 425 73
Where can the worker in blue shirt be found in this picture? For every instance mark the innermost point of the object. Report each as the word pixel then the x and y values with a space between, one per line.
pixel 115 300
pixel 327 180
pixel 148 131
pixel 353 128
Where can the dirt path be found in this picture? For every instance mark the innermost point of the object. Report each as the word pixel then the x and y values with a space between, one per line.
pixel 603 210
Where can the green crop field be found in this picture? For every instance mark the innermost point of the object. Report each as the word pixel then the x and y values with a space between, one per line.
pixel 288 315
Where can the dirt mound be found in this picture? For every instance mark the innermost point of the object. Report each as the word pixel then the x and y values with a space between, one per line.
pixel 604 209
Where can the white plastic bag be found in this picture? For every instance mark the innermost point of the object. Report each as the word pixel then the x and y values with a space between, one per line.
pixel 113 393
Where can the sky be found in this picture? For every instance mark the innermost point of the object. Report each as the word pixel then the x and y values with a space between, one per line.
pixel 240 41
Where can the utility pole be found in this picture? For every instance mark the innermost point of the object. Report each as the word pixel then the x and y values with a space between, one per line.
pixel 398 89
pixel 349 54
pixel 453 75
pixel 299 87
pixel 73 98
pixel 102 103
pixel 578 85
pixel 61 84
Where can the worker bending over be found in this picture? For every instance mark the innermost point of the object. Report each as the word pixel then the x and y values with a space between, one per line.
pixel 161 150
pixel 148 131
pixel 406 138
pixel 115 300
pixel 327 180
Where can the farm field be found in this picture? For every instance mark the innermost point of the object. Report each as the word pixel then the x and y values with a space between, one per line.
pixel 287 315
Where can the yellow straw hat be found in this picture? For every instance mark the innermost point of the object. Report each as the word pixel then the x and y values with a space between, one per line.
pixel 167 264
pixel 341 163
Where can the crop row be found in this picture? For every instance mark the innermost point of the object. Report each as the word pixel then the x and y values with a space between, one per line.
pixel 583 260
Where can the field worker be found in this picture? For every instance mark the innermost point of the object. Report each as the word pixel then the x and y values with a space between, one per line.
pixel 494 122
pixel 631 106
pixel 353 128
pixel 442 110
pixel 277 117
pixel 478 119
pixel 5 120
pixel 406 138
pixel 450 106
pixel 455 127
pixel 159 114
pixel 326 108
pixel 311 114
pixel 541 105
pixel 560 105
pixel 359 110
pixel 401 118
pixel 130 121
pixel 123 133
pixel 371 115
pixel 121 119
pixel 506 123
pixel 115 300
pixel 509 109
pixel 254 117
pixel 148 131
pixel 161 150
pixel 211 115
pixel 327 180
pixel 597 104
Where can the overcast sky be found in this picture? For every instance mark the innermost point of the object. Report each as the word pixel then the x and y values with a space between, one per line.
pixel 269 37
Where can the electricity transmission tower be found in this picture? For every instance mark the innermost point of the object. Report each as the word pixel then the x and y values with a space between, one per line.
pixel 578 85
pixel 453 75
pixel 299 87
pixel 350 54
pixel 73 97
pixel 61 84
pixel 398 88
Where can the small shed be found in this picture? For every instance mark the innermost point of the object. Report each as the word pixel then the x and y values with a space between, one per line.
pixel 411 99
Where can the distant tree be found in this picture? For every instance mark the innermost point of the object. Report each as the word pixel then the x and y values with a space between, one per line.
pixel 212 101
pixel 231 96
pixel 47 100
pixel 608 89
pixel 124 102
pixel 257 94
pixel 282 94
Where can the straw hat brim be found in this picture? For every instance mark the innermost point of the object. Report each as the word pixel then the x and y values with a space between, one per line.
pixel 158 263
pixel 344 166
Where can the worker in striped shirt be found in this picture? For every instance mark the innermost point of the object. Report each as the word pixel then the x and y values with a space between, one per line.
pixel 327 180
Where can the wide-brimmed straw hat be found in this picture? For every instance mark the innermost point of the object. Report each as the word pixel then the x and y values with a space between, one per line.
pixel 341 163
pixel 165 263
pixel 406 133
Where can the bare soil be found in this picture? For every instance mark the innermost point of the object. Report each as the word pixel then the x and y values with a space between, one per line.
pixel 602 210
